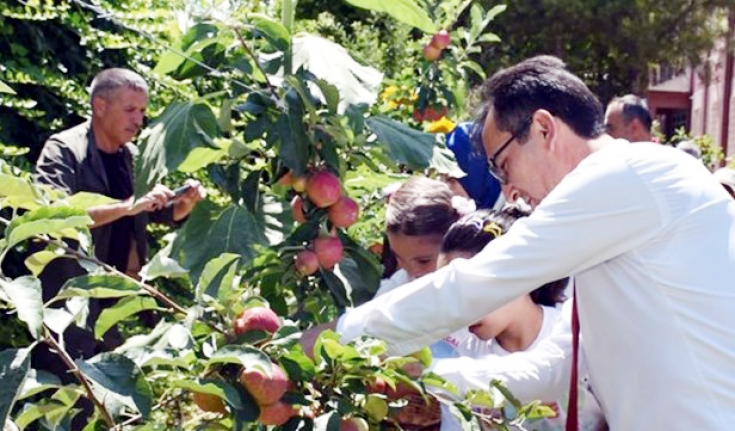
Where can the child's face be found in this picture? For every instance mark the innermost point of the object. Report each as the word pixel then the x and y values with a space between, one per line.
pixel 416 254
pixel 492 324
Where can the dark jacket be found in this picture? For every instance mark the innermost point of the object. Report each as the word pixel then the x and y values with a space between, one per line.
pixel 70 161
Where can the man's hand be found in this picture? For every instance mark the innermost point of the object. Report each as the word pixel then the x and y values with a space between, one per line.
pixel 184 203
pixel 151 201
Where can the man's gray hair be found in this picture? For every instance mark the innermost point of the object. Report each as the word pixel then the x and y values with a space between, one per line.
pixel 110 80
pixel 634 107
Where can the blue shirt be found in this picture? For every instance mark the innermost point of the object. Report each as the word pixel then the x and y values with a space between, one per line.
pixel 482 187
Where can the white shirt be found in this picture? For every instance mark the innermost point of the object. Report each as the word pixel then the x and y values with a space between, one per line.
pixel 649 236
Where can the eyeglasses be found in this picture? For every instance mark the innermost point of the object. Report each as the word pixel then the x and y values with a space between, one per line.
pixel 492 164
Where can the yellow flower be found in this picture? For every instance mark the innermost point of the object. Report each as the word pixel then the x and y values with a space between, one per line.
pixel 389 91
pixel 442 125
pixel 392 105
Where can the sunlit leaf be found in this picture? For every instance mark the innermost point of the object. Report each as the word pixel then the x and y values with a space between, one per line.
pixel 406 11
pixel 168 141
pixel 248 357
pixel 45 220
pixel 124 308
pixel 38 261
pixel 14 365
pixel 86 200
pixel 356 84
pixel 272 30
pixel 5 88
pixel 217 277
pixel 402 143
pixel 118 381
pixel 25 294
pixel 99 286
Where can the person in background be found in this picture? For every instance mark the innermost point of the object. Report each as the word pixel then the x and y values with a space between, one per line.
pixel 627 117
pixel 478 184
pixel 97 156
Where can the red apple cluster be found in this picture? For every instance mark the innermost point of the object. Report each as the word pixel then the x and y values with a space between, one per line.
pixel 439 42
pixel 266 387
pixel 324 190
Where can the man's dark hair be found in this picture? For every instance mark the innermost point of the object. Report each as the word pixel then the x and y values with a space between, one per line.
pixel 634 107
pixel 543 82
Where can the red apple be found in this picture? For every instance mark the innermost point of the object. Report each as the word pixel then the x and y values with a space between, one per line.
pixel 353 424
pixel 299 184
pixel 297 209
pixel 418 115
pixel 286 179
pixel 323 188
pixel 328 250
pixel 376 249
pixel 257 318
pixel 266 389
pixel 306 262
pixel 344 212
pixel 432 53
pixel 432 113
pixel 209 402
pixel 377 386
pixel 441 39
pixel 277 413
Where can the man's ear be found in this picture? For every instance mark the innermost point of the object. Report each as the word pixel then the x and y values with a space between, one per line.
pixel 99 105
pixel 548 127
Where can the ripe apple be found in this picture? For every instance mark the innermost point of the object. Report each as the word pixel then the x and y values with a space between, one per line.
pixel 277 413
pixel 209 402
pixel 376 249
pixel 297 209
pixel 328 250
pixel 266 389
pixel 432 113
pixel 432 53
pixel 257 318
pixel 441 39
pixel 344 212
pixel 376 386
pixel 286 179
pixel 323 188
pixel 418 115
pixel 353 424
pixel 306 262
pixel 299 184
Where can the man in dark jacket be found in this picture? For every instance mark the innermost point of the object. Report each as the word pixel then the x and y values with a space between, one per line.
pixel 97 157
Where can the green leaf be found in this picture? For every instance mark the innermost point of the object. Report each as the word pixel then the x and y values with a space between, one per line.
pixel 5 88
pixel 14 365
pixel 406 11
pixel 25 295
pixel 218 276
pixel 199 158
pixel 248 357
pixel 169 140
pixel 45 220
pixel 224 390
pixel 356 83
pixel 118 382
pixel 327 422
pixel 236 230
pixel 294 143
pixel 99 286
pixel 162 265
pixel 444 162
pixel 272 30
pixel 402 143
pixel 336 287
pixel 38 381
pixel 86 200
pixel 124 308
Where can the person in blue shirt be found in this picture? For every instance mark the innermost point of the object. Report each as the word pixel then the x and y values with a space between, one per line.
pixel 480 186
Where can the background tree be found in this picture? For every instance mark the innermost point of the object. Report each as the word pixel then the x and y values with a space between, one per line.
pixel 609 43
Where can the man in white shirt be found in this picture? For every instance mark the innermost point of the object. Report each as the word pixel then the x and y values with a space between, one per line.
pixel 646 231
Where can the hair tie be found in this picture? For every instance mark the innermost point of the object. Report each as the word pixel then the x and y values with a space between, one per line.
pixel 462 205
pixel 493 228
